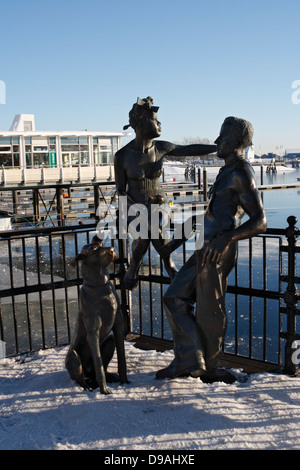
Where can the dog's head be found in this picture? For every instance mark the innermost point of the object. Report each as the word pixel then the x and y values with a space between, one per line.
pixel 95 254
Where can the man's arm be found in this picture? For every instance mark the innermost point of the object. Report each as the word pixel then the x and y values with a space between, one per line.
pixel 251 203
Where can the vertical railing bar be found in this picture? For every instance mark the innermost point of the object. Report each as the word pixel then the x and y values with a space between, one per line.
pixel 250 299
pixel 1 323
pixel 184 252
pixel 37 251
pixel 13 297
pixel 140 307
pixel 53 289
pixel 162 312
pixel 1 320
pixel 66 289
pixel 250 263
pixel 150 291
pixel 26 295
pixel 264 263
pixel 76 253
pixel 265 301
pixel 236 279
pixel 280 302
pixel 161 299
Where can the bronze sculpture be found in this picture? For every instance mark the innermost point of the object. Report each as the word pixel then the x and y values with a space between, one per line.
pixel 99 325
pixel 198 338
pixel 138 167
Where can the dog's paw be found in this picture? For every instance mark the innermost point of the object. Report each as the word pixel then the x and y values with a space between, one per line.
pixel 112 378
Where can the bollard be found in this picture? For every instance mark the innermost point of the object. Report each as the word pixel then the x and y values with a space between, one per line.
pixel 205 191
pixel 261 174
pixel 96 201
pixel 15 201
pixel 61 174
pixel 36 205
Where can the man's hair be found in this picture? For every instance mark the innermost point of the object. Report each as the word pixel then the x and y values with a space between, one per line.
pixel 141 109
pixel 244 128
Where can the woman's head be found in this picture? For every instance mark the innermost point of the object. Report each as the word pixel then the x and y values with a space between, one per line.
pixel 144 115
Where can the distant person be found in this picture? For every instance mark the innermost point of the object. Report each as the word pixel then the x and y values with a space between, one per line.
pixel 138 167
pixel 198 338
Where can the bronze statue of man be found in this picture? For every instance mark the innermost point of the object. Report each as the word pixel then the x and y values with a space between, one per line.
pixel 198 338
pixel 138 167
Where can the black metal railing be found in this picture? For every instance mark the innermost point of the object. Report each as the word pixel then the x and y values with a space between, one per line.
pixel 39 292
pixel 39 289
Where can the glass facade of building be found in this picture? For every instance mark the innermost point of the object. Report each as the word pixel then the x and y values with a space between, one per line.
pixel 10 152
pixel 38 151
pixel 56 150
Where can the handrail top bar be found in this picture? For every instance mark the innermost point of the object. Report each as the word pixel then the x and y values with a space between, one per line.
pixel 84 227
pixel 66 184
pixel 48 230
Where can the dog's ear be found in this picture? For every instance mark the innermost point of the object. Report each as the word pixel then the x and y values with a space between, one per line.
pixel 95 239
pixel 73 263
pixel 81 256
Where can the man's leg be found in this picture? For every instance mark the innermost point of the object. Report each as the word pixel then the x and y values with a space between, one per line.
pixel 210 312
pixel 179 302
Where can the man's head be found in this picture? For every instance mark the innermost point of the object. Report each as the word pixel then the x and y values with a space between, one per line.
pixel 143 115
pixel 236 134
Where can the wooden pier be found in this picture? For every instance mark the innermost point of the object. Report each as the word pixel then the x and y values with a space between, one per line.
pixel 55 203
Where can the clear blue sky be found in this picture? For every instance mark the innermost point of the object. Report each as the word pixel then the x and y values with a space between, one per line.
pixel 82 64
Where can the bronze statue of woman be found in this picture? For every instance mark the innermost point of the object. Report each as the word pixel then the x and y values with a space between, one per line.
pixel 138 167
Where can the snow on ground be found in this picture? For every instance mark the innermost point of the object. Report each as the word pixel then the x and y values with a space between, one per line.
pixel 42 408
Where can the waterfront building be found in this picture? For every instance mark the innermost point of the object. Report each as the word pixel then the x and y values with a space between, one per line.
pixel 292 154
pixel 23 147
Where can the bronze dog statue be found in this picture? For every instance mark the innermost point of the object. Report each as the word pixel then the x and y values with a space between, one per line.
pixel 99 325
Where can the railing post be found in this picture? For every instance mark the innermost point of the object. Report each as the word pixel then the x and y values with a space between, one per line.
pixel 291 298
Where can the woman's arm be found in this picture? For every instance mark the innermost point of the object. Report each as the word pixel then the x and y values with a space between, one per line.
pixel 121 178
pixel 168 148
